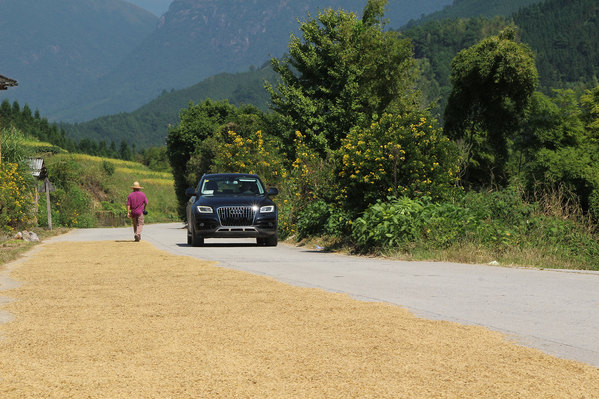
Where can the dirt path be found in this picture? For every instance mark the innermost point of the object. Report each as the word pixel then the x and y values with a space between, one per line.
pixel 124 320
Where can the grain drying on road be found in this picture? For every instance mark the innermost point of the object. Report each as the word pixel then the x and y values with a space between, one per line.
pixel 124 320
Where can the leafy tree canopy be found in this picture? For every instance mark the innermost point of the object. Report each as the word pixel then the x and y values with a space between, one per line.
pixel 492 84
pixel 341 73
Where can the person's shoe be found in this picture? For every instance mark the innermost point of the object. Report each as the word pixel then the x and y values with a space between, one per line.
pixel 137 237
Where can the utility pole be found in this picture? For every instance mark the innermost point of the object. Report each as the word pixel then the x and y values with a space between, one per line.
pixel 5 83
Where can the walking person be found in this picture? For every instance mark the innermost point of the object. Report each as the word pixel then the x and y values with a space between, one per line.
pixel 136 209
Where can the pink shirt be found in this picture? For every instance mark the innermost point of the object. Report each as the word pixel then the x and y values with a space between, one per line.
pixel 136 201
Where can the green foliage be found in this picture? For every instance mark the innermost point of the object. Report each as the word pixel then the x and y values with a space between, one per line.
pixel 16 198
pixel 563 34
pixel 108 167
pixel 341 73
pixel 147 125
pixel 312 219
pixel 494 222
pixel 14 147
pixel 561 146
pixel 388 224
pixel 319 218
pixel 398 155
pixel 155 158
pixel 70 205
pixel 492 83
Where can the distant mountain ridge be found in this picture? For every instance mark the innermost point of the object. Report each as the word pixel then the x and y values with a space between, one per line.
pixel 196 39
pixel 438 41
pixel 54 47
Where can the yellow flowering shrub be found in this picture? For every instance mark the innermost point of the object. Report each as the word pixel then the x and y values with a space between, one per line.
pixel 16 200
pixel 399 155
pixel 255 154
pixel 309 178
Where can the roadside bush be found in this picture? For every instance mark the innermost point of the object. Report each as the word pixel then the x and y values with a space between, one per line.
pixel 70 205
pixel 16 199
pixel 312 220
pixel 108 167
pixel 446 223
pixel 388 224
pixel 306 191
pixel 496 223
pixel 399 155
pixel 339 223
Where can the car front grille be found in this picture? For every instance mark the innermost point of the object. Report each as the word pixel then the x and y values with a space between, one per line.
pixel 236 215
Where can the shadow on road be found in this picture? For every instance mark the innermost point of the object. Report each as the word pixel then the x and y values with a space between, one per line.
pixel 227 245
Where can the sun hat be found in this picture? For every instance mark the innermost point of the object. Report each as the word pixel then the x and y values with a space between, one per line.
pixel 136 185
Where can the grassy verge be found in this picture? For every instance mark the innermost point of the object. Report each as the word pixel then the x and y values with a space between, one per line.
pixel 92 191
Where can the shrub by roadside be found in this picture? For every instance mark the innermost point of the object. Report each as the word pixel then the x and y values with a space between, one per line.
pixel 499 226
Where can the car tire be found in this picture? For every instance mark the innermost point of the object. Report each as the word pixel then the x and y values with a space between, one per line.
pixel 271 241
pixel 196 241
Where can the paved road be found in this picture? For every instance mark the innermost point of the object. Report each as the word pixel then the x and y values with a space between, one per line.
pixel 555 311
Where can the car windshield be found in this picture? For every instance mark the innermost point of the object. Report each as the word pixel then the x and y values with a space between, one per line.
pixel 231 186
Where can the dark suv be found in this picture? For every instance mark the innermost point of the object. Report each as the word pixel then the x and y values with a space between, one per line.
pixel 231 205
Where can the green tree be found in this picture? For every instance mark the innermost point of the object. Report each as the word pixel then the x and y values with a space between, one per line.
pixel 492 84
pixel 562 146
pixel 341 73
pixel 193 144
pixel 198 122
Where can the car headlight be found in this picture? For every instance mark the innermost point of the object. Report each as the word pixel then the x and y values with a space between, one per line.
pixel 267 209
pixel 204 209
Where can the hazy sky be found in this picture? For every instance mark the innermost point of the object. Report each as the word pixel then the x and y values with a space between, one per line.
pixel 157 7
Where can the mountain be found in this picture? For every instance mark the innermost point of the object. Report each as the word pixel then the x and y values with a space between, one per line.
pixel 53 48
pixel 148 125
pixel 196 39
pixel 547 27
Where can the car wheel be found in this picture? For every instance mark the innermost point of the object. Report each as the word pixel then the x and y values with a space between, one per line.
pixel 271 241
pixel 196 241
pixel 188 236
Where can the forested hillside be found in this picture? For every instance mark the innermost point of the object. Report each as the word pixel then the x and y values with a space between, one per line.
pixel 564 35
pixel 567 56
pixel 147 126
pixel 476 8
pixel 196 39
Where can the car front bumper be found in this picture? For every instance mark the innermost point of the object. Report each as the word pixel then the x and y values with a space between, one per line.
pixel 207 226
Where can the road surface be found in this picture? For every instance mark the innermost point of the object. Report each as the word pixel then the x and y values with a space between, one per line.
pixel 554 311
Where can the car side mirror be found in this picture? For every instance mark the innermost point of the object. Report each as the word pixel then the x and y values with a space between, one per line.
pixel 272 191
pixel 190 192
